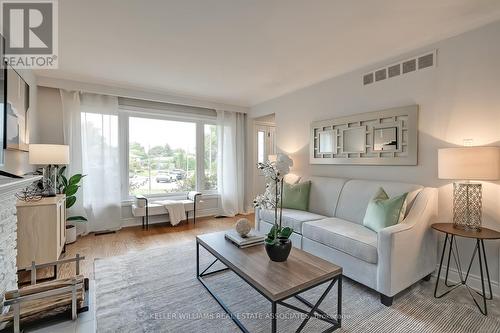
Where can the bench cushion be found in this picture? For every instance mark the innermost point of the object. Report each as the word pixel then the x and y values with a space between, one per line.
pixel 348 237
pixel 291 218
pixel 157 208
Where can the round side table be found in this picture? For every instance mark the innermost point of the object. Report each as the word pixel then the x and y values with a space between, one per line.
pixel 479 235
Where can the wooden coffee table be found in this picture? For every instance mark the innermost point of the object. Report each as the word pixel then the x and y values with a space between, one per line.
pixel 276 281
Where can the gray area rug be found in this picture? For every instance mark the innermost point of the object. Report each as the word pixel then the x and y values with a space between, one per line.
pixel 157 291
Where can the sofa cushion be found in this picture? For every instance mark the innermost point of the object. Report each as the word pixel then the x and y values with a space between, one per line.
pixel 291 218
pixel 357 193
pixel 348 237
pixel 325 192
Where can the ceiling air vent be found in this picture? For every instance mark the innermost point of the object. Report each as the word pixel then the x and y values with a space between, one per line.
pixel 426 60
pixel 409 66
pixel 368 78
pixel 380 75
pixel 394 70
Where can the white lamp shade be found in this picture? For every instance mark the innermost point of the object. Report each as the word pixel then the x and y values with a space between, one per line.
pixel 42 154
pixel 470 163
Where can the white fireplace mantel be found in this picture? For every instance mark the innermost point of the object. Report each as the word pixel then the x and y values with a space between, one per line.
pixel 8 231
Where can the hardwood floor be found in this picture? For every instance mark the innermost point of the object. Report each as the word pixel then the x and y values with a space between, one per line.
pixel 134 239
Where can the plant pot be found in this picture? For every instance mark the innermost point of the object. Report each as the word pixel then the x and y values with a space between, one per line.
pixel 70 234
pixel 280 250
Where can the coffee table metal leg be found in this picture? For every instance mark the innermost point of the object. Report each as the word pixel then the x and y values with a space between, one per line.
pixel 273 318
pixel 339 301
pixel 221 303
pixel 315 307
pixel 318 313
pixel 197 258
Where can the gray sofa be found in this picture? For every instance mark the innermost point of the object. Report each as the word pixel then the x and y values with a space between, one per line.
pixel 388 261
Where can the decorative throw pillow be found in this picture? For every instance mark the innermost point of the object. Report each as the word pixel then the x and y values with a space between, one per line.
pixel 383 211
pixel 296 196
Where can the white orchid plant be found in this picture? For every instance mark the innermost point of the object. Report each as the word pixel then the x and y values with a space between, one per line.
pixel 272 198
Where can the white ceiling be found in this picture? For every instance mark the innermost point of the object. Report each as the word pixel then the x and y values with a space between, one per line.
pixel 243 52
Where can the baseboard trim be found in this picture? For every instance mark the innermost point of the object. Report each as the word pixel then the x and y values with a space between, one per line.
pixel 474 281
pixel 137 221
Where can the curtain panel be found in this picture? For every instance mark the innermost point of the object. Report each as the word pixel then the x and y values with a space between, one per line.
pixel 91 129
pixel 231 129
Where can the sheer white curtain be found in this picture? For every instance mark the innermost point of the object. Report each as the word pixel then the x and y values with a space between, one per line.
pixel 91 130
pixel 101 161
pixel 231 161
pixel 73 137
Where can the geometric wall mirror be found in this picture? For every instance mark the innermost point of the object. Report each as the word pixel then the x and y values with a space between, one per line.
pixel 385 137
pixel 327 141
pixel 354 139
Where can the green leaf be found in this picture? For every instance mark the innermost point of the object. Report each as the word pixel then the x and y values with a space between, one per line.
pixel 70 201
pixel 269 241
pixel 70 190
pixel 61 170
pixel 286 232
pixel 77 218
pixel 272 233
pixel 64 181
pixel 75 179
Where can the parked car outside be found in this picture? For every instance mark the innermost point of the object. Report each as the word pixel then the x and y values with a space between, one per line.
pixel 179 174
pixel 165 177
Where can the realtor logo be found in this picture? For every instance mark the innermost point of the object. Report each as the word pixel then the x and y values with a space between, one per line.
pixel 30 32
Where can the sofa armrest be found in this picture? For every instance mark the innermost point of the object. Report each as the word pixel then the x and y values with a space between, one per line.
pixel 407 251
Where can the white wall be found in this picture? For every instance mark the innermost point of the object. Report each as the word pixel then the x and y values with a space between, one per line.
pixel 459 99
pixel 51 119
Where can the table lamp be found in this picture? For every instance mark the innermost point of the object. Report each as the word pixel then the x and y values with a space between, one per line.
pixel 465 164
pixel 50 156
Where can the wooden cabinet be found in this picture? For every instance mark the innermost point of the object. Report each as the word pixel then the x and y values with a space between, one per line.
pixel 41 230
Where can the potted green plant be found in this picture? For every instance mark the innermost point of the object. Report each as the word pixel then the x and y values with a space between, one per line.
pixel 277 242
pixel 70 187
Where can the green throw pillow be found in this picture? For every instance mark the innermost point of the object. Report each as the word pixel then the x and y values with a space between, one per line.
pixel 296 196
pixel 383 211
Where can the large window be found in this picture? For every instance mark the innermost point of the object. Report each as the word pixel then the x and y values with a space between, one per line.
pixel 163 157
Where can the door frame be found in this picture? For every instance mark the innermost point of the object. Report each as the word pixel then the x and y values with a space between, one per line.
pixel 267 125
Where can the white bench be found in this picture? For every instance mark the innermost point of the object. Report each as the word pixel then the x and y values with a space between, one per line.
pixel 144 207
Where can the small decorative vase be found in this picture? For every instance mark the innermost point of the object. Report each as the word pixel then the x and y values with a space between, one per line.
pixel 280 250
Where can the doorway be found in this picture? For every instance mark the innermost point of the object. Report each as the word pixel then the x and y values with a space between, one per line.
pixel 264 136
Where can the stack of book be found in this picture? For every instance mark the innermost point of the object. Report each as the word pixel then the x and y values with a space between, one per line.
pixel 253 238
